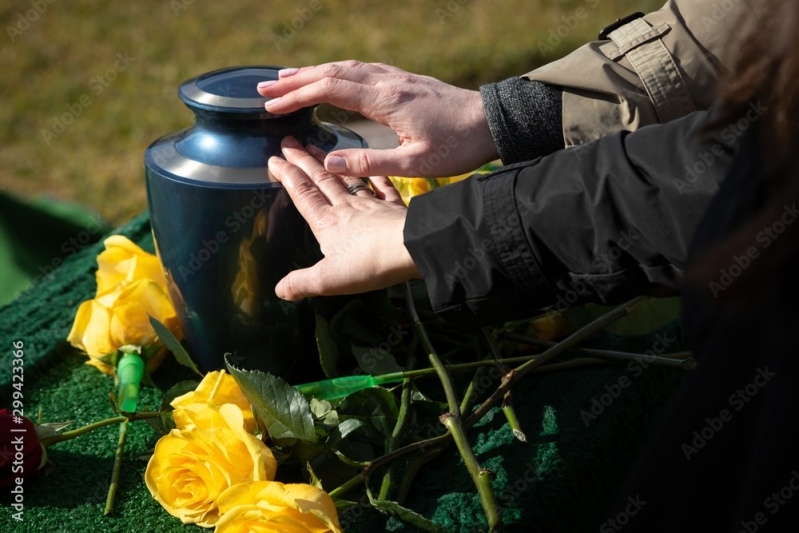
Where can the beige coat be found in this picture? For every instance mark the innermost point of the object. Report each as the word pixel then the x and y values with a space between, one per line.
pixel 651 70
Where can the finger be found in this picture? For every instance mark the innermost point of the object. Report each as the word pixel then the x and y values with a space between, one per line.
pixel 310 201
pixel 385 190
pixel 299 284
pixel 389 68
pixel 345 94
pixel 401 161
pixel 351 70
pixel 317 152
pixel 363 189
pixel 330 185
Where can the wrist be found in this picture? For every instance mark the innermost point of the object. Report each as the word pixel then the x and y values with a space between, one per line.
pixel 478 131
pixel 401 265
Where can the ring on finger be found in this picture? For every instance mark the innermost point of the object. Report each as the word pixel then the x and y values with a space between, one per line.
pixel 357 187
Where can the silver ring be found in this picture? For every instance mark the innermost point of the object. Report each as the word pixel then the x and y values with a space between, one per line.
pixel 355 187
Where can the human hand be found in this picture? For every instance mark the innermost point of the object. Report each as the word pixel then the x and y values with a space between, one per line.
pixel 360 235
pixel 442 129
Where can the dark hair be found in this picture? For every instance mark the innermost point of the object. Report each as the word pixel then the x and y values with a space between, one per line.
pixel 764 58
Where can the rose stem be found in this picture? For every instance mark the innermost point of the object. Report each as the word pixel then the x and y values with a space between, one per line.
pixel 507 401
pixel 452 421
pixel 112 490
pixel 682 360
pixel 386 488
pixel 91 427
pixel 515 375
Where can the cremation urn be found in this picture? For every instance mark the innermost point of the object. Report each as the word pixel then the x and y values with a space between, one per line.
pixel 225 231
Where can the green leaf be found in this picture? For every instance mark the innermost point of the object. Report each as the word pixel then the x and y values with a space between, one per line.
pixel 178 389
pixel 374 361
pixel 375 407
pixel 344 429
pixel 342 506
pixel 404 515
pixel 320 408
pixel 284 411
pixel 328 349
pixel 174 345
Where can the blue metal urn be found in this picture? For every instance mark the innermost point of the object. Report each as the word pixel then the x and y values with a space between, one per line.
pixel 225 230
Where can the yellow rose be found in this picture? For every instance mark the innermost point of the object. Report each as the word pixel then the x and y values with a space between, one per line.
pixel 191 468
pixel 119 317
pixel 122 261
pixel 197 409
pixel 410 187
pixel 271 507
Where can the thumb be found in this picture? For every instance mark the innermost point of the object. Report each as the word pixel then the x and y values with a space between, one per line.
pixel 401 161
pixel 300 284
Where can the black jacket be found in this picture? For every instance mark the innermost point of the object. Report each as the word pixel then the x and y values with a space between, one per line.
pixel 725 456
pixel 602 222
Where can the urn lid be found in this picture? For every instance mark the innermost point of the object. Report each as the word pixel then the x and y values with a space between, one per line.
pixel 228 90
pixel 233 137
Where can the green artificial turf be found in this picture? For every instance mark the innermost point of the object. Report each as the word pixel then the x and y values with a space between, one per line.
pixel 562 480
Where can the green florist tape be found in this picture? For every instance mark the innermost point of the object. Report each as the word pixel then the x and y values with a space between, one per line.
pixel 332 389
pixel 130 372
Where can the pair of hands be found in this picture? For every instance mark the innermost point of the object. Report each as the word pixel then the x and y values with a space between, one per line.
pixel 361 236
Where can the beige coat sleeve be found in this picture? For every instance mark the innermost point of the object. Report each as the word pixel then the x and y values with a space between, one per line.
pixel 651 70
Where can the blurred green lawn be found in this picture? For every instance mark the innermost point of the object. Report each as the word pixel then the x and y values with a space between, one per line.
pixel 52 64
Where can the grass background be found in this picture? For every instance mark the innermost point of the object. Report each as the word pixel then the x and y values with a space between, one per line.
pixel 97 160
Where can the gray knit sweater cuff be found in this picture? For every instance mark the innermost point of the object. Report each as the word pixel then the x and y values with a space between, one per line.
pixel 524 117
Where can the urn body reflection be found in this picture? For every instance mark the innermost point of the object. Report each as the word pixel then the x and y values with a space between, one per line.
pixel 225 231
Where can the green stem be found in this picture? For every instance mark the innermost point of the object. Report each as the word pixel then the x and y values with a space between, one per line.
pixel 386 487
pixel 452 421
pixel 412 469
pixel 507 401
pixel 112 490
pixel 578 336
pixel 682 360
pixel 353 482
pixel 67 435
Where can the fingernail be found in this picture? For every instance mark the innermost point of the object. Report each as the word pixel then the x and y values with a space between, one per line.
pixel 291 142
pixel 286 72
pixel 273 101
pixel 336 164
pixel 265 84
pixel 311 149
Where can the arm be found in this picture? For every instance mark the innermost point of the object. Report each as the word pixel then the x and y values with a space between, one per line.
pixel 602 222
pixel 608 86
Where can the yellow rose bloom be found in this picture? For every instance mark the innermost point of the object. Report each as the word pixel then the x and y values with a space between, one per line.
pixel 191 468
pixel 271 507
pixel 198 408
pixel 410 187
pixel 119 317
pixel 122 261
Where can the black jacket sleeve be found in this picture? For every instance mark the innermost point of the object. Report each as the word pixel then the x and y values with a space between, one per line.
pixel 601 222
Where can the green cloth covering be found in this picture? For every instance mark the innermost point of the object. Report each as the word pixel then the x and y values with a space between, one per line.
pixel 562 480
pixel 36 237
